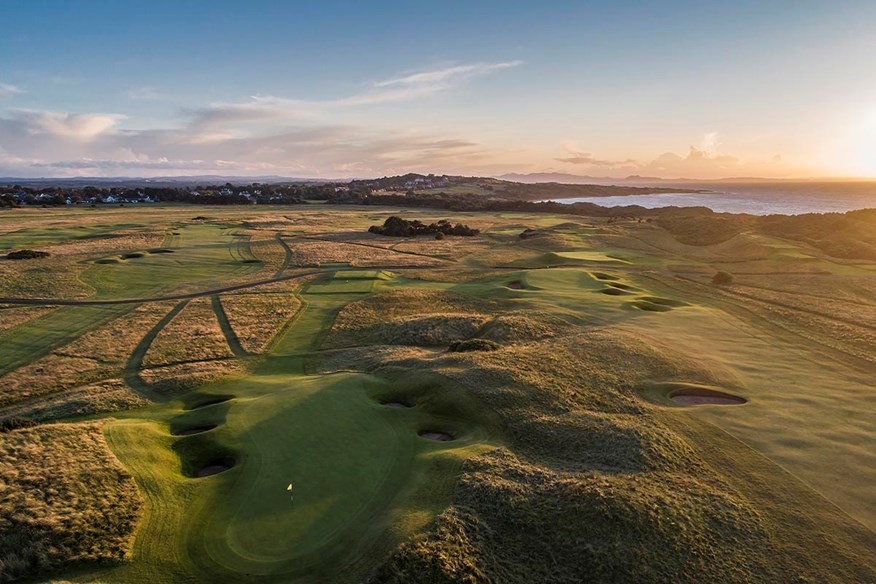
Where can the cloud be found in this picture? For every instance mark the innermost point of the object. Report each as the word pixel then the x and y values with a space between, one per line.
pixel 704 161
pixel 61 125
pixel 7 90
pixel 580 157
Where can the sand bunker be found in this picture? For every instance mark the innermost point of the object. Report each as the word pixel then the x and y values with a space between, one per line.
pixel 216 467
pixel 195 430
pixel 613 292
pixel 698 396
pixel 603 276
pixel 133 255
pixel 160 250
pixel 204 401
pixel 437 436
pixel 515 285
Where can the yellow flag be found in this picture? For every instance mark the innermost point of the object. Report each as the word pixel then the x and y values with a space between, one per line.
pixel 289 488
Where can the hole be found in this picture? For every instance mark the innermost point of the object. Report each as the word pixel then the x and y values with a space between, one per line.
pixel 699 396
pixel 215 467
pixel 194 430
pixel 436 436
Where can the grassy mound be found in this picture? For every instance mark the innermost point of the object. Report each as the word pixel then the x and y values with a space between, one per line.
pixel 519 523
pixel 66 499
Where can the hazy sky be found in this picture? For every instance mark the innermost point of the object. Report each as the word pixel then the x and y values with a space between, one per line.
pixel 343 89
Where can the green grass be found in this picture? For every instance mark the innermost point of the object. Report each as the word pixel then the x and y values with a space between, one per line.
pixel 29 237
pixel 202 254
pixel 363 479
pixel 36 338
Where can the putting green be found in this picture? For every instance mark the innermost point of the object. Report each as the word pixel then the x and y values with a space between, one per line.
pixel 362 476
pixel 202 254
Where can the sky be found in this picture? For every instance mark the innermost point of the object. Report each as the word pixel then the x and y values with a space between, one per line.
pixel 337 89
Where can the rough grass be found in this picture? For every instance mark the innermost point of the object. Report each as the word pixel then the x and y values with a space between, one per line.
pixel 184 376
pixel 12 316
pixel 257 318
pixel 110 395
pixel 98 354
pixel 64 498
pixel 316 252
pixel 193 335
pixel 408 317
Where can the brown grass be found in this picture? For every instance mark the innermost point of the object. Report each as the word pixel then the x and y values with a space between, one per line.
pixel 11 316
pixel 257 318
pixel 408 317
pixel 98 354
pixel 184 376
pixel 65 499
pixel 192 335
pixel 313 253
pixel 110 395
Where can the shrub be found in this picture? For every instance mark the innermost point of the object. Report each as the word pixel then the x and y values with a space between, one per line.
pixel 10 424
pixel 722 279
pixel 397 227
pixel 474 345
pixel 26 254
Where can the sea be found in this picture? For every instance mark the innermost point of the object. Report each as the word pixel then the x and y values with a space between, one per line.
pixel 772 198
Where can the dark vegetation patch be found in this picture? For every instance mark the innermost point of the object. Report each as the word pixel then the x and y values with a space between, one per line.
pixel 397 227
pixel 722 279
pixel 10 424
pixel 251 261
pixel 27 254
pixel 474 345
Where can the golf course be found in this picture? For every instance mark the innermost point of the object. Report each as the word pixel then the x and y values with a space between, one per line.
pixel 242 394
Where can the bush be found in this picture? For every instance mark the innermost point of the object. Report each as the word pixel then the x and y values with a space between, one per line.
pixel 26 254
pixel 398 227
pixel 474 345
pixel 10 424
pixel 722 279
